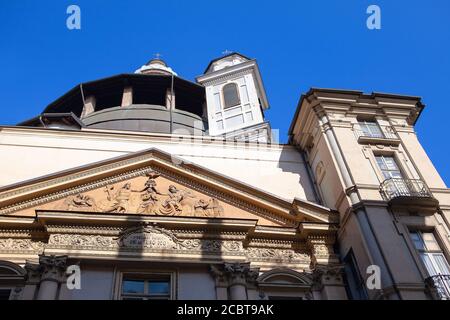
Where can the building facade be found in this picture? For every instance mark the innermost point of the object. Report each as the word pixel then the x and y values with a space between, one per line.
pixel 149 186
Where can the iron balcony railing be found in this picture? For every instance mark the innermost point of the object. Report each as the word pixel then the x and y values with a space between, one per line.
pixel 439 286
pixel 399 187
pixel 374 131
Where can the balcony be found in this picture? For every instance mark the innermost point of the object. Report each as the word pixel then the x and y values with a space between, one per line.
pixel 408 192
pixel 374 133
pixel 439 286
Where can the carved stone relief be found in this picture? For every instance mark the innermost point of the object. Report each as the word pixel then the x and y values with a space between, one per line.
pixel 152 198
pixel 152 238
pixel 15 245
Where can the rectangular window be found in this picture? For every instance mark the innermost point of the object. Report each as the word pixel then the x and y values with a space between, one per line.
pixel 371 129
pixel 430 253
pixel 356 288
pixel 388 167
pixel 146 287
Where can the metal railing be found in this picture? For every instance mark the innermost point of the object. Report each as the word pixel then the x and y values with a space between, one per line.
pixel 374 131
pixel 439 286
pixel 399 187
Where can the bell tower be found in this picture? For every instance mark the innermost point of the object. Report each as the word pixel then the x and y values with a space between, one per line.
pixel 235 99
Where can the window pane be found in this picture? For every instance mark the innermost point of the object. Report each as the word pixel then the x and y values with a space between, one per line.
pixel 248 117
pixel 428 264
pixel 430 242
pixel 370 129
pixel 133 286
pixel 415 236
pixel 158 287
pixel 388 167
pixel 380 163
pixel 395 174
pixel 441 263
pixel 390 163
pixel 230 95
pixel 220 125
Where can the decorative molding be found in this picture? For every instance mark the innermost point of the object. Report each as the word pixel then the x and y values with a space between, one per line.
pixel 11 245
pixel 84 203
pixel 149 237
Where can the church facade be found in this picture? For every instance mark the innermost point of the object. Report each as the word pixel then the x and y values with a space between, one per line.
pixel 148 186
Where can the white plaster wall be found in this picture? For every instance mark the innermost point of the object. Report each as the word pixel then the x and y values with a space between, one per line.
pixel 31 153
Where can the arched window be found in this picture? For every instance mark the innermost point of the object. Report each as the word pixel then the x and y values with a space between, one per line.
pixel 285 284
pixel 230 95
pixel 12 280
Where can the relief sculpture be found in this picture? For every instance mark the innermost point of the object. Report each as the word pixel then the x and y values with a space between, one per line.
pixel 80 202
pixel 149 199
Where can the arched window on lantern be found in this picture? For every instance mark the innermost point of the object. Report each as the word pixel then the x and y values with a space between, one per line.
pixel 231 95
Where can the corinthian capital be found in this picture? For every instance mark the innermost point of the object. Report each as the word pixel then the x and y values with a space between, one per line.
pixel 328 274
pixel 52 267
pixel 235 273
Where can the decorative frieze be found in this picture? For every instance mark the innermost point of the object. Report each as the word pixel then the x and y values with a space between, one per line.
pixel 152 238
pixel 279 255
pixel 12 245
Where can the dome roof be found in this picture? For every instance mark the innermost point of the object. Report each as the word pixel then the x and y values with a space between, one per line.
pixel 156 66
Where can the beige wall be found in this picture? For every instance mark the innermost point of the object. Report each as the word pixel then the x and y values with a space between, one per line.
pixel 31 153
pixel 377 233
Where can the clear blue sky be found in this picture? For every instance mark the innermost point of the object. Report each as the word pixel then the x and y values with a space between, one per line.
pixel 298 44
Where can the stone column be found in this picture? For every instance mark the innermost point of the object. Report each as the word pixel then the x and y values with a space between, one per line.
pixel 89 106
pixel 127 97
pixel 236 277
pixel 170 99
pixel 32 280
pixel 53 273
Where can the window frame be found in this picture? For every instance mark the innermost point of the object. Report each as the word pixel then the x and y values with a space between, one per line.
pixel 146 276
pixel 222 91
pixel 367 124
pixel 356 284
pixel 429 253
pixel 397 164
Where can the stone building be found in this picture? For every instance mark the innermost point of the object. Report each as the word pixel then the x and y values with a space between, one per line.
pixel 149 186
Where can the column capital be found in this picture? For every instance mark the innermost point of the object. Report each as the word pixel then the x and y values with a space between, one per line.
pixel 33 272
pixel 240 273
pixel 328 274
pixel 52 267
pixel 234 273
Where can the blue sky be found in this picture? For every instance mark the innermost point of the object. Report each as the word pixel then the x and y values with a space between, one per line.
pixel 298 44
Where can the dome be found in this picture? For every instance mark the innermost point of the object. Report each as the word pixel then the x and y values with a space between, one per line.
pixel 156 66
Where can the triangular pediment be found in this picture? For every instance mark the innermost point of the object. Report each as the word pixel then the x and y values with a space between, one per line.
pixel 153 183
